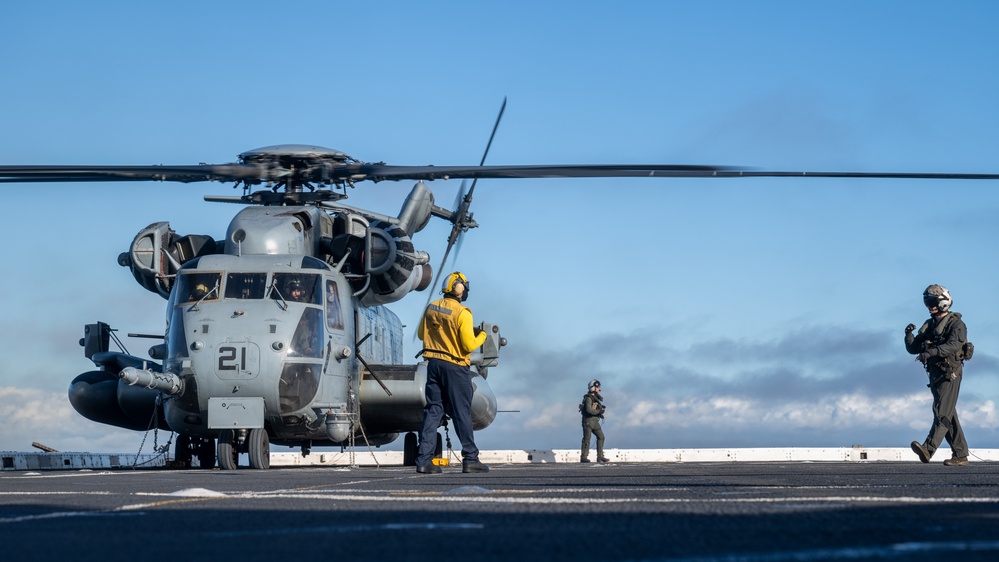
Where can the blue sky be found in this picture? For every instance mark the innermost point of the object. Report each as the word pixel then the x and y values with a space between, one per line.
pixel 736 312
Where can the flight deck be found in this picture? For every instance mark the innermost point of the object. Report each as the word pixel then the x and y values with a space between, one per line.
pixel 690 511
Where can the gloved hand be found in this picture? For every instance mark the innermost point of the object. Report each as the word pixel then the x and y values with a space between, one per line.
pixel 910 328
pixel 923 357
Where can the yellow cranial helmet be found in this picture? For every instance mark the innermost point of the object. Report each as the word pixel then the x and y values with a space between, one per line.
pixel 453 278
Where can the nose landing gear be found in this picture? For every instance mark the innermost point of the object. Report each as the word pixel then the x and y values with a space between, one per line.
pixel 255 442
pixel 189 447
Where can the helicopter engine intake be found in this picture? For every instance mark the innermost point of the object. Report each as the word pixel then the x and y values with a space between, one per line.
pixel 394 266
pixel 157 253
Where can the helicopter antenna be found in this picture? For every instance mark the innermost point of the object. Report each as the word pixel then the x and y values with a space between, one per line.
pixel 461 219
pixel 117 341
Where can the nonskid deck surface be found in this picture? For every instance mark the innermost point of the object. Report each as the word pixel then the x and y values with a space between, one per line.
pixel 620 511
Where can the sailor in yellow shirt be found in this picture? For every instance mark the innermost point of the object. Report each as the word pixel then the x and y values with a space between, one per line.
pixel 449 338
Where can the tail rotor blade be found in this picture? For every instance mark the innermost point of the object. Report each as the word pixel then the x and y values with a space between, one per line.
pixel 437 278
pixel 461 219
pixel 460 196
pixel 457 246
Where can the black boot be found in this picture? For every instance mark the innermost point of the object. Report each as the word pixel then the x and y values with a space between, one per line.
pixel 473 466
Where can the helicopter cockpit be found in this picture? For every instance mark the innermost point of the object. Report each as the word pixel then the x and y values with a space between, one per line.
pixel 194 286
pixel 297 287
pixel 232 318
pixel 245 285
pixel 199 287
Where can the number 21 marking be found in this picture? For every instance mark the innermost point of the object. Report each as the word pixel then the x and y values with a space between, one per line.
pixel 228 358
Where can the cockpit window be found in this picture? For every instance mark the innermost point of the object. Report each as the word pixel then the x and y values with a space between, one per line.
pixel 245 285
pixel 334 313
pixel 309 262
pixel 198 286
pixel 297 287
pixel 298 386
pixel 308 338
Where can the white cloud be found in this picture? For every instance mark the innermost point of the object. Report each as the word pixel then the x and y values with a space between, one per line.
pixel 656 397
pixel 980 414
pixel 31 415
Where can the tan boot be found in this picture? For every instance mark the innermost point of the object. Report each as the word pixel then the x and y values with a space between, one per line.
pixel 921 451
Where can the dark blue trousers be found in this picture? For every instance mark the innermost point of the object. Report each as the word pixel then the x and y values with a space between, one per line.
pixel 449 390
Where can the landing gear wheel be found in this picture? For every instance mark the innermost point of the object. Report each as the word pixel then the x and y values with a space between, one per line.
pixel 409 449
pixel 206 453
pixel 182 451
pixel 260 448
pixel 228 450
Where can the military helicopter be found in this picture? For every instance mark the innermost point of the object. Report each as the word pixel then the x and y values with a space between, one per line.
pixel 279 332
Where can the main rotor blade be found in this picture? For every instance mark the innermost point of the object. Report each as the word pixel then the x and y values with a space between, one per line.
pixel 380 172
pixel 325 173
pixel 186 174
pixel 735 173
pixel 358 172
pixel 385 172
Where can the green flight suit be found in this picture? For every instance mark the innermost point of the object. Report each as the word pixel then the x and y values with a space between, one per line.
pixel 592 411
pixel 943 341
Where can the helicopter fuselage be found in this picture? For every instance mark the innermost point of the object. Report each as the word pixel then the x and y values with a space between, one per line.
pixel 279 328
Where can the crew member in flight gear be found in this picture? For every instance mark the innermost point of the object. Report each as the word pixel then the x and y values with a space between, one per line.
pixel 940 345
pixel 592 409
pixel 295 291
pixel 449 338
pixel 198 292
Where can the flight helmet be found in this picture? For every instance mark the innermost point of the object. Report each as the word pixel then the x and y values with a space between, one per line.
pixel 594 384
pixel 938 296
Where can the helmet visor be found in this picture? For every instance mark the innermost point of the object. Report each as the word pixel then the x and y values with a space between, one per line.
pixel 932 301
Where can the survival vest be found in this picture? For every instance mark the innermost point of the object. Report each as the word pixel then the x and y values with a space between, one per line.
pixel 936 333
pixel 584 408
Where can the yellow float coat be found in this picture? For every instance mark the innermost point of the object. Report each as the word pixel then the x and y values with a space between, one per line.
pixel 447 332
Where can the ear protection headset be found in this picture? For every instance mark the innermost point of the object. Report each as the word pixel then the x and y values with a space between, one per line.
pixel 450 280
